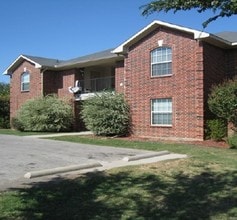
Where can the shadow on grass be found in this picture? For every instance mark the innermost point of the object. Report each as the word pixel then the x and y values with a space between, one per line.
pixel 128 195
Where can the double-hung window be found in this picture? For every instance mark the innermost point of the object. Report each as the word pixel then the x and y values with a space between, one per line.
pixel 161 111
pixel 25 81
pixel 161 61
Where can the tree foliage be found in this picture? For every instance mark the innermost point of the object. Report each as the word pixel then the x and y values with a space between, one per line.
pixel 4 89
pixel 47 113
pixel 221 8
pixel 223 100
pixel 4 105
pixel 106 114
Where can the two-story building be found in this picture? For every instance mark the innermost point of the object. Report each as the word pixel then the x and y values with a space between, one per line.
pixel 165 71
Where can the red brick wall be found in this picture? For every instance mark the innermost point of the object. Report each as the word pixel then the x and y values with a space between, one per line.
pixel 50 79
pixel 185 86
pixel 78 122
pixel 58 82
pixel 119 77
pixel 54 83
pixel 215 71
pixel 17 97
pixel 232 63
pixel 65 79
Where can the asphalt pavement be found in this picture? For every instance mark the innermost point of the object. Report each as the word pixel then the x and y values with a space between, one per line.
pixel 19 155
pixel 29 154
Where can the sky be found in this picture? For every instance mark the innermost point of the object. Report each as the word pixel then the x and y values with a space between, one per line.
pixel 66 29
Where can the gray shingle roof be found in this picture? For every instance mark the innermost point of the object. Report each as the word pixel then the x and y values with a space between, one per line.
pixel 102 56
pixel 106 54
pixel 228 36
pixel 47 62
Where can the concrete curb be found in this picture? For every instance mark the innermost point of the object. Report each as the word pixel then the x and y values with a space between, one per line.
pixel 101 166
pixel 145 156
pixel 57 170
pixel 60 134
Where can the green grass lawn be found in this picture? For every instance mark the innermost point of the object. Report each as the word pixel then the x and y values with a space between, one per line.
pixel 204 186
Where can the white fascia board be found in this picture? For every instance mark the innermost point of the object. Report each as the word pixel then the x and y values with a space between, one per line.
pixel 37 65
pixel 7 71
pixel 120 48
pixel 197 34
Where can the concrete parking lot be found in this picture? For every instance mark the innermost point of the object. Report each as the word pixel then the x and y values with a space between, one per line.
pixel 19 155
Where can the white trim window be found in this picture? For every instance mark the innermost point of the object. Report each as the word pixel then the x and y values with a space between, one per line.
pixel 161 112
pixel 25 81
pixel 161 61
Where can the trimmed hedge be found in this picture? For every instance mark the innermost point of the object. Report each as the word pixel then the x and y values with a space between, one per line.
pixel 216 129
pixel 232 141
pixel 222 100
pixel 106 114
pixel 47 113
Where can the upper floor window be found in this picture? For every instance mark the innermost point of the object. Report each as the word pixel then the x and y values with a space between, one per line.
pixel 25 81
pixel 161 61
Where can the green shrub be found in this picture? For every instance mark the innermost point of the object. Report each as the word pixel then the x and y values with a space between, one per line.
pixel 222 100
pixel 16 124
pixel 4 122
pixel 44 114
pixel 4 111
pixel 4 105
pixel 216 129
pixel 232 141
pixel 106 114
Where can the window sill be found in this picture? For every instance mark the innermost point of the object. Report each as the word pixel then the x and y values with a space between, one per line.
pixel 162 126
pixel 162 76
pixel 24 91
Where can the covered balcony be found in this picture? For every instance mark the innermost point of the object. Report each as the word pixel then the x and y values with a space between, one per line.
pixel 90 86
pixel 93 73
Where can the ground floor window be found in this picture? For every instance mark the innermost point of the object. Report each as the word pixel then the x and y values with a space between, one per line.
pixel 161 111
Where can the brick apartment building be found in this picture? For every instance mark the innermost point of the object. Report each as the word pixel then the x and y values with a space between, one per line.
pixel 165 71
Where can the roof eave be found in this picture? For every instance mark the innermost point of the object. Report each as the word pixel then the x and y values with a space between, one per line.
pixel 17 61
pixel 88 63
pixel 220 42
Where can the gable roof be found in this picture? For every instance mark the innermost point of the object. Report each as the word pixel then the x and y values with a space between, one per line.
pixel 152 26
pixel 221 40
pixel 41 62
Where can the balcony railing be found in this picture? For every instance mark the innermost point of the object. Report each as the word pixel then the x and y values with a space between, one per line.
pixel 97 84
